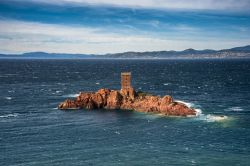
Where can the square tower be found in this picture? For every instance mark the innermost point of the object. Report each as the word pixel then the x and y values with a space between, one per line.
pixel 126 80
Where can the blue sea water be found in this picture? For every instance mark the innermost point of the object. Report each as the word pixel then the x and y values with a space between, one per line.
pixel 34 132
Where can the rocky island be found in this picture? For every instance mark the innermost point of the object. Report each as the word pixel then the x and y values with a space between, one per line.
pixel 127 99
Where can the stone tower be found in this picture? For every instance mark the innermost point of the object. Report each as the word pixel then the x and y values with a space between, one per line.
pixel 126 80
pixel 126 89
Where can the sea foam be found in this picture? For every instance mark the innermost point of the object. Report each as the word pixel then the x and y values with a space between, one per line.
pixel 9 115
pixel 215 118
pixel 201 116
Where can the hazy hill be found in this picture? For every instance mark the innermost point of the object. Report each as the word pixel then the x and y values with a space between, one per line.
pixel 44 55
pixel 237 52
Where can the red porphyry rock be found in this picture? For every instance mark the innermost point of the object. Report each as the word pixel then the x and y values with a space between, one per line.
pixel 114 100
pixel 128 100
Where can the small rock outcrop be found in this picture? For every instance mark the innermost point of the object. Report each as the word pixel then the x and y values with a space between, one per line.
pixel 128 100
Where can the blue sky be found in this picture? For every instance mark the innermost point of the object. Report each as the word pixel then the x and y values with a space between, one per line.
pixel 110 26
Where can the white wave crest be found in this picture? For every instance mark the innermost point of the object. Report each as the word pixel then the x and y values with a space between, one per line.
pixel 9 115
pixel 72 95
pixel 8 98
pixel 190 105
pixel 198 112
pixel 234 109
pixel 201 116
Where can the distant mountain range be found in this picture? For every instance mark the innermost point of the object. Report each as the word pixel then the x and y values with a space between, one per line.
pixel 44 55
pixel 237 52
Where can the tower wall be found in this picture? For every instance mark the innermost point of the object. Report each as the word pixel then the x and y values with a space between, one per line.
pixel 126 80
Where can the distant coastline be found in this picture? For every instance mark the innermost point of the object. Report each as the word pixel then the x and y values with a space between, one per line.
pixel 236 52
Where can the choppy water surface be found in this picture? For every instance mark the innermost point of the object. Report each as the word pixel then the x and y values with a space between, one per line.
pixel 34 132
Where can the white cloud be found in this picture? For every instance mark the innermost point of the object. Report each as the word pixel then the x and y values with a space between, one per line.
pixel 165 4
pixel 19 36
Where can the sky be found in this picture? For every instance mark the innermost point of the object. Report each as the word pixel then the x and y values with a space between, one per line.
pixel 113 26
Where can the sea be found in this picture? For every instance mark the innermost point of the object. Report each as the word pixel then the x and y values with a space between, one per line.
pixel 34 132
